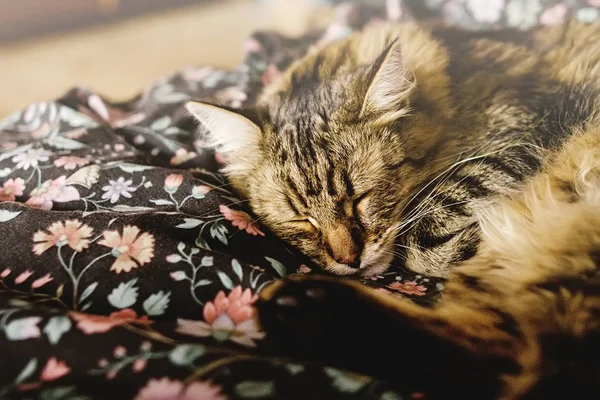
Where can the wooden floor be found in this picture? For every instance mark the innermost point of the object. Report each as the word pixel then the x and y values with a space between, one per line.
pixel 120 59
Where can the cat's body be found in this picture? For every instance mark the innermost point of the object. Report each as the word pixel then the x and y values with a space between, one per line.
pixel 479 154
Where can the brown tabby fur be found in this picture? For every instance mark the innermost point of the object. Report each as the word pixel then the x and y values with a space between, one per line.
pixel 520 316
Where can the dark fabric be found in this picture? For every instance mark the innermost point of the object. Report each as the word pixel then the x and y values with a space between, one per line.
pixel 128 266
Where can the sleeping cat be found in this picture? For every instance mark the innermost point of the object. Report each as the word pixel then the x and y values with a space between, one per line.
pixel 469 156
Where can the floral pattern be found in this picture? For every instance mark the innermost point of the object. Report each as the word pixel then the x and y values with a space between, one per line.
pixel 229 317
pixel 131 249
pixel 44 195
pixel 129 268
pixel 11 189
pixel 72 233
pixel 165 389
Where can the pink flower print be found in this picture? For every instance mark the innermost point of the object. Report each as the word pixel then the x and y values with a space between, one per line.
pixel 219 158
pixel 408 287
pixel 304 269
pixel 76 133
pixel 146 346
pixel 172 183
pixel 252 45
pixel 199 191
pixel 554 15
pixel 23 277
pixel 181 156
pixel 228 317
pixel 52 191
pixel 8 145
pixel 42 131
pixel 54 370
pixel 38 283
pixel 5 273
pixel 72 233
pixel 139 365
pixel 241 220
pixel 132 249
pixel 166 389
pixel 177 275
pixel 115 189
pixel 31 158
pixel 70 162
pixel 90 324
pixel 11 189
pixel 271 74
pixel 120 352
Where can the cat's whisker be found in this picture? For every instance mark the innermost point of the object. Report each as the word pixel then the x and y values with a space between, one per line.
pixel 417 249
pixel 429 198
pixel 417 218
pixel 446 174
pixel 397 255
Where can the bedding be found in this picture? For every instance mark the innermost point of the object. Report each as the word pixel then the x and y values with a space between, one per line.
pixel 128 267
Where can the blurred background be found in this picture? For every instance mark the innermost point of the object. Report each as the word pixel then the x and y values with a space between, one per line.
pixel 117 47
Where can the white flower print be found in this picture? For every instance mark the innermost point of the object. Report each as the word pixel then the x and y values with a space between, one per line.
pixel 30 158
pixel 118 188
pixel 486 11
pixel 523 14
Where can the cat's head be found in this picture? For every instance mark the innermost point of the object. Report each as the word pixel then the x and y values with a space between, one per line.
pixel 329 165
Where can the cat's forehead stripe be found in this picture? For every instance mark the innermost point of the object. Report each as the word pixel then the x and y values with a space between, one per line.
pixel 296 193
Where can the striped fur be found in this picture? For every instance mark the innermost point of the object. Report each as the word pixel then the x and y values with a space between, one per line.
pixel 482 163
pixel 519 320
pixel 384 146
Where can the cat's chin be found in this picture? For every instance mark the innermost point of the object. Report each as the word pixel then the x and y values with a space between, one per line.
pixel 375 267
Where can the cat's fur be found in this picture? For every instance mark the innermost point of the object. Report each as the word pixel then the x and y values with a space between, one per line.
pixel 372 140
pixel 479 151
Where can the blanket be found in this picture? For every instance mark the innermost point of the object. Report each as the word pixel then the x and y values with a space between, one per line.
pixel 128 265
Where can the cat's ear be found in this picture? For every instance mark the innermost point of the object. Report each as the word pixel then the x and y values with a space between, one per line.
pixel 228 131
pixel 235 137
pixel 392 83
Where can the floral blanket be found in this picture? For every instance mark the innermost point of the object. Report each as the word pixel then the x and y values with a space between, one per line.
pixel 128 267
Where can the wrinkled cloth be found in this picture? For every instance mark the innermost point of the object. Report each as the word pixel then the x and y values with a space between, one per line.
pixel 128 265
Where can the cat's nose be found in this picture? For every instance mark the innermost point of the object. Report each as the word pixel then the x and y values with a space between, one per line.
pixel 352 260
pixel 344 245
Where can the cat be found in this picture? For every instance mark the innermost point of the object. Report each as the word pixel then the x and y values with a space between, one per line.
pixel 472 156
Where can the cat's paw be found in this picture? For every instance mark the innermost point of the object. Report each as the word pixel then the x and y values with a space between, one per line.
pixel 311 315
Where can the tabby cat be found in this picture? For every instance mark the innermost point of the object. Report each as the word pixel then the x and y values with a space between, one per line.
pixel 469 156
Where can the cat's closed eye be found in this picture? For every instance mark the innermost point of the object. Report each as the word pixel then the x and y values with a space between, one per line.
pixel 360 204
pixel 306 223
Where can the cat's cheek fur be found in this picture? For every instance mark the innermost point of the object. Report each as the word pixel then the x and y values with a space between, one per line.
pixel 377 257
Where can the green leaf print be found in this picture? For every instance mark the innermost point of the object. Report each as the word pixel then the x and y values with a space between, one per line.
pixel 56 327
pixel 157 303
pixel 125 295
